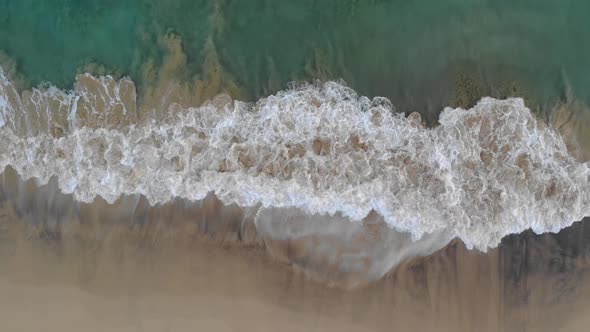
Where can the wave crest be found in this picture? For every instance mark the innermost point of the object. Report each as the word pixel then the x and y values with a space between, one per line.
pixel 481 174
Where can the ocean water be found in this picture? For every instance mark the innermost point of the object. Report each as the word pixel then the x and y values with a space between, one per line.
pixel 345 138
pixel 422 55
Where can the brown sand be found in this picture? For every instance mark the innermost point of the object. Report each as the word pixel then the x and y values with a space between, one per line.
pixel 189 268
pixel 209 290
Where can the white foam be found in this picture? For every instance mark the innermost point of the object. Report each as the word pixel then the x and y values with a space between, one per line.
pixel 481 174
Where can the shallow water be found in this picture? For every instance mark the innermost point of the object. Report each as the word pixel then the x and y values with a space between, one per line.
pixel 483 173
pixel 422 55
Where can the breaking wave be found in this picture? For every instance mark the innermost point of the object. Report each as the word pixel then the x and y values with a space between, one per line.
pixel 321 149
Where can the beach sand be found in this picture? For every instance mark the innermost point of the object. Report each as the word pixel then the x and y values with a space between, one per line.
pixel 168 271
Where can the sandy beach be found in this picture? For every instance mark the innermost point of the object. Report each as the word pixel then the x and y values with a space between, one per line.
pixel 138 278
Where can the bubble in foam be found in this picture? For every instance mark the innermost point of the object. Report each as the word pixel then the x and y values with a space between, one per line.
pixel 483 173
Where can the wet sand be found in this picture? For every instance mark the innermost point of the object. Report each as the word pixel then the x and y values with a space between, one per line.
pixel 228 289
pixel 186 267
pixel 208 290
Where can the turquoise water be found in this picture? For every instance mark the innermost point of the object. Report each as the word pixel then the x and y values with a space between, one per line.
pixel 50 40
pixel 420 54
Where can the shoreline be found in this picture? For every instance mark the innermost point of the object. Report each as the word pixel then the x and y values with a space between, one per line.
pixel 518 286
pixel 171 265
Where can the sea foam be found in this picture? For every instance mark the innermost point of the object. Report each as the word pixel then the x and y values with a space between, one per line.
pixel 482 174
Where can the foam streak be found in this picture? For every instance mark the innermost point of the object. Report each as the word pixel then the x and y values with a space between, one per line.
pixel 483 173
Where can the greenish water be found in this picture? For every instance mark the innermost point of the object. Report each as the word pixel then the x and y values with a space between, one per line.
pixel 420 54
